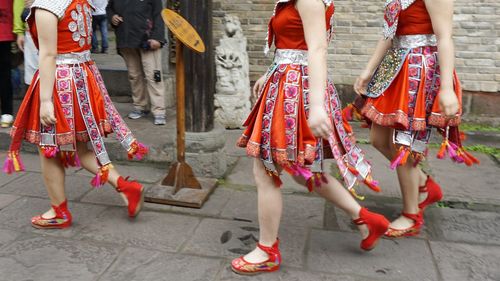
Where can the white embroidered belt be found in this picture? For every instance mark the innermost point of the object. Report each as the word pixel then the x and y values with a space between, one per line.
pixel 73 58
pixel 290 56
pixel 414 41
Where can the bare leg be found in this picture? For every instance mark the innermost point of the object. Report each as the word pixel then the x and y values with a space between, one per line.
pixel 53 177
pixel 410 178
pixel 270 207
pixel 334 192
pixel 89 162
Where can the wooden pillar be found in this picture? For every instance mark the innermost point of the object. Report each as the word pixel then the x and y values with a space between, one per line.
pixel 199 68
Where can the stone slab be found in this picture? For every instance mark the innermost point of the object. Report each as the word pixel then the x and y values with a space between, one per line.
pixel 106 195
pixel 6 179
pixel 165 232
pixel 186 197
pixel 478 184
pixel 232 137
pixel 18 214
pixel 338 252
pixel 298 210
pixel 7 237
pixel 231 239
pixel 457 225
pixel 136 264
pixel 32 185
pixel 46 258
pixel 464 262
pixel 6 199
pixel 212 207
pixel 291 274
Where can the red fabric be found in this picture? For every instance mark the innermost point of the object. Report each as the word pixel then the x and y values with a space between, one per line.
pixel 65 42
pixel 415 20
pixel 6 21
pixel 288 29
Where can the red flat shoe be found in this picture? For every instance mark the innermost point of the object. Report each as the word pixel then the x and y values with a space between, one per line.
pixel 410 231
pixel 434 193
pixel 63 218
pixel 134 192
pixel 377 226
pixel 241 266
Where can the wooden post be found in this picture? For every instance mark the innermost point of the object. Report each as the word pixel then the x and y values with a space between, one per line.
pixel 200 68
pixel 181 102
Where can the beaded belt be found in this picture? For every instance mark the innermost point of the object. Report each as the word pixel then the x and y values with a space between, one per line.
pixel 414 41
pixel 73 58
pixel 290 56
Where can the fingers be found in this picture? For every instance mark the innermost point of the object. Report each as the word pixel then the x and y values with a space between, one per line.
pixel 256 88
pixel 322 130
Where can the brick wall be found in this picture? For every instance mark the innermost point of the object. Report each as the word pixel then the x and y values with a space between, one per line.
pixel 358 27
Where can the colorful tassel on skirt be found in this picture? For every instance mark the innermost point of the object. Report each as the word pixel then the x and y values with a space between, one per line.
pixel 13 163
pixel 102 176
pixel 137 151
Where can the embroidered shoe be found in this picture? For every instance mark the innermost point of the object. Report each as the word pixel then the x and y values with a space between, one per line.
pixel 134 192
pixel 377 226
pixel 62 219
pixel 241 266
pixel 410 231
pixel 434 193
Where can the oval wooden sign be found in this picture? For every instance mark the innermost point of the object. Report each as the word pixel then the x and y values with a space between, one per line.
pixel 183 30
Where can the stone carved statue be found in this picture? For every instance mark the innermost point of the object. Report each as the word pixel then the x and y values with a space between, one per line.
pixel 232 89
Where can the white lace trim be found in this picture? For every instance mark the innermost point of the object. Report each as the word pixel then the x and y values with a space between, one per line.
pixel 58 8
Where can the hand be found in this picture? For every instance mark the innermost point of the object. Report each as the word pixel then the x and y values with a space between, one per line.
pixel 319 122
pixel 448 102
pixel 362 82
pixel 257 87
pixel 47 116
pixel 154 44
pixel 116 20
pixel 20 42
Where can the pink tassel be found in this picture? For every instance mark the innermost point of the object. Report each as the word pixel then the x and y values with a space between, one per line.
pixel 8 166
pixel 137 151
pixel 78 164
pixel 49 151
pixel 397 160
pixel 96 181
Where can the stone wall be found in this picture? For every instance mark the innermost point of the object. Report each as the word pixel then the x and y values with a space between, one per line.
pixel 358 27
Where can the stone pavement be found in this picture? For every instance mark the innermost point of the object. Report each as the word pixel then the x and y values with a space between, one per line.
pixel 461 240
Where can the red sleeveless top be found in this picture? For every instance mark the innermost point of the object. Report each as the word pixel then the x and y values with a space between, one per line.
pixel 415 20
pixel 288 29
pixel 74 29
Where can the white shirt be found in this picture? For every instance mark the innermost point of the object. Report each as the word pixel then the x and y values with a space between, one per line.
pixel 100 7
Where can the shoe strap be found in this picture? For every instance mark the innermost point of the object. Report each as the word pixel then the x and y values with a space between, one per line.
pixel 423 188
pixel 359 221
pixel 271 251
pixel 417 218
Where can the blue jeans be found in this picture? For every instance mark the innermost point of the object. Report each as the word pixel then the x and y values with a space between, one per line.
pixel 100 22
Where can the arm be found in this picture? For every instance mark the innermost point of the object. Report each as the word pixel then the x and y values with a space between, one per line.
pixel 19 26
pixel 114 18
pixel 364 78
pixel 441 13
pixel 317 45
pixel 47 38
pixel 158 32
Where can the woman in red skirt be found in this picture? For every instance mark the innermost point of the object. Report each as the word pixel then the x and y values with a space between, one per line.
pixel 67 110
pixel 410 87
pixel 296 124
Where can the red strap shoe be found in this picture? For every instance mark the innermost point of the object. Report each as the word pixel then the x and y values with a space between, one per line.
pixel 434 193
pixel 241 266
pixel 410 231
pixel 62 219
pixel 134 192
pixel 377 225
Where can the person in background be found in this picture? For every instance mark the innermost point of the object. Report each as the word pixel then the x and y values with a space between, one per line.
pixel 100 22
pixel 24 39
pixel 140 34
pixel 6 39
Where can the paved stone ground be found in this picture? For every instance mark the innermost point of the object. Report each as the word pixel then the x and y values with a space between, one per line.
pixel 460 241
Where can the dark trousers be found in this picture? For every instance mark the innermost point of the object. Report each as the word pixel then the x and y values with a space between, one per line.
pixel 100 23
pixel 6 102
